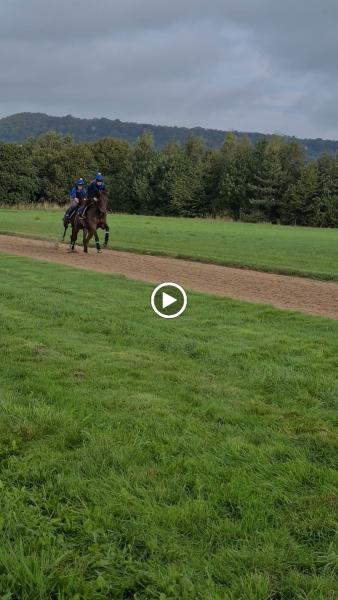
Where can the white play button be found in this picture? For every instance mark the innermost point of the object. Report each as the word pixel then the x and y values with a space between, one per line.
pixel 167 300
pixel 164 296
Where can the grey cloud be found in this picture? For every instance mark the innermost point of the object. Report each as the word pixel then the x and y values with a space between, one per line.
pixel 236 64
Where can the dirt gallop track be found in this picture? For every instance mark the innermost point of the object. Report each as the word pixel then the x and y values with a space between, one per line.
pixel 281 291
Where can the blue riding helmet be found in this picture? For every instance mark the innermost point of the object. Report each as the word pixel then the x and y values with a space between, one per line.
pixel 99 177
pixel 79 181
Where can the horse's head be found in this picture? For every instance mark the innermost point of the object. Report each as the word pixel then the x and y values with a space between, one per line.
pixel 101 202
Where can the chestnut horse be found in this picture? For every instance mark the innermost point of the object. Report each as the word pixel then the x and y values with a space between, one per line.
pixel 94 217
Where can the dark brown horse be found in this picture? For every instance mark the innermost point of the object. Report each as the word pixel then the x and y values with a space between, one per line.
pixel 69 220
pixel 94 217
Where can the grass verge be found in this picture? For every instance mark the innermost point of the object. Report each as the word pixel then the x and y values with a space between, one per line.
pixel 142 458
pixel 300 251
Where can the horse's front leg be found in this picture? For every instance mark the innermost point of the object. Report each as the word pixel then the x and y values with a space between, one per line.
pixel 106 237
pixel 73 238
pixel 84 237
pixel 87 236
pixel 97 242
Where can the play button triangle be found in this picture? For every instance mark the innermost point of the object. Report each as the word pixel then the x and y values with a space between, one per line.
pixel 160 300
pixel 167 300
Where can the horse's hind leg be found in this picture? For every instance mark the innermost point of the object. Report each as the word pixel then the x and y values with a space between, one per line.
pixel 106 237
pixel 73 239
pixel 97 242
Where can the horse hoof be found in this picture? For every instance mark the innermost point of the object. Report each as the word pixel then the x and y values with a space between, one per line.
pixel 99 251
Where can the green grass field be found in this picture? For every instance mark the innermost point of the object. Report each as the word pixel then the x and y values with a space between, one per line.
pixel 291 250
pixel 152 459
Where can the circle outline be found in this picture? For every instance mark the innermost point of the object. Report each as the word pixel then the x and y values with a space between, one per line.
pixel 178 287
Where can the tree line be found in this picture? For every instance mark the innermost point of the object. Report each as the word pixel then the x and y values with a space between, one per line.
pixel 267 182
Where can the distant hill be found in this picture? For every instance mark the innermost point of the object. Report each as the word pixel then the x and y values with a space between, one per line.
pixel 19 127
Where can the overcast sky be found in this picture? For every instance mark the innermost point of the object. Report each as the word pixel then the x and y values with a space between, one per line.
pixel 251 65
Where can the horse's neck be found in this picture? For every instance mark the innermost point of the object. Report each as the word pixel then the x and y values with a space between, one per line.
pixel 102 204
pixel 94 209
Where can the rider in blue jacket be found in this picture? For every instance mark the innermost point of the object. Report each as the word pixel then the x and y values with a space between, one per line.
pixel 78 195
pixel 96 186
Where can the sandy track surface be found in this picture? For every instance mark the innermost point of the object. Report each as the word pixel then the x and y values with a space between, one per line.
pixel 286 292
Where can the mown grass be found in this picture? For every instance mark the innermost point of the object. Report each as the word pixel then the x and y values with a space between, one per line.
pixel 148 459
pixel 292 250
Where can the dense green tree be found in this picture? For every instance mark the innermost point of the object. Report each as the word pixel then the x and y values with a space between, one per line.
pixel 303 198
pixel 266 181
pixel 328 190
pixel 293 162
pixel 178 188
pixel 51 154
pixel 269 181
pixel 292 158
pixel 18 175
pixel 313 199
pixel 144 161
pixel 194 148
pixel 114 159
pixel 234 177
